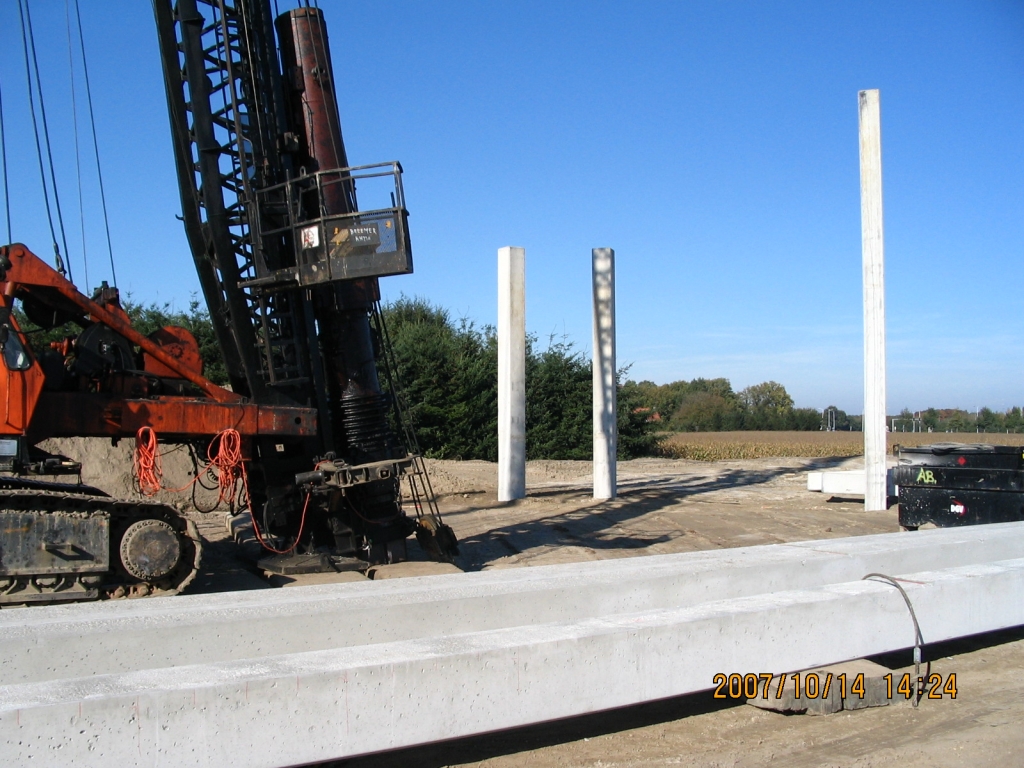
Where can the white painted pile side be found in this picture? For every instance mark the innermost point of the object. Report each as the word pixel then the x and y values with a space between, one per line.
pixel 511 373
pixel 845 482
pixel 606 435
pixel 118 636
pixel 322 705
pixel 872 244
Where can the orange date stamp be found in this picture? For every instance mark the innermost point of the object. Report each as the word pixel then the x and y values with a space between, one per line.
pixel 813 685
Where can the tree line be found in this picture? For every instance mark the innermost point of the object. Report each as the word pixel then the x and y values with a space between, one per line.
pixel 711 405
pixel 958 420
pixel 448 375
pixel 448 371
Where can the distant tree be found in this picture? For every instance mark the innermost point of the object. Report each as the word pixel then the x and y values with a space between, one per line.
pixel 448 373
pixel 636 430
pixel 706 412
pixel 766 406
pixel 1013 420
pixel 769 396
pixel 958 421
pixel 804 419
pixel 989 421
pixel 667 398
pixel 559 392
pixel 720 387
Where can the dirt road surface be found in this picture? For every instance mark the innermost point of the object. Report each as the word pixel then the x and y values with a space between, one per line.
pixel 672 506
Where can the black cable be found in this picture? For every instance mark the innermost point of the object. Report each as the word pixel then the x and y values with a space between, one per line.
pixel 918 638
pixel 95 144
pixel 402 414
pixel 78 153
pixel 199 471
pixel 39 148
pixel 3 157
pixel 46 136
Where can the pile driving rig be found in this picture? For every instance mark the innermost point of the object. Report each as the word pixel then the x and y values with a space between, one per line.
pixel 288 264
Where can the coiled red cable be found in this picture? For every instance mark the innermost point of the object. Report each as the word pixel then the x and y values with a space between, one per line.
pixel 227 461
pixel 228 465
pixel 146 462
pixel 224 454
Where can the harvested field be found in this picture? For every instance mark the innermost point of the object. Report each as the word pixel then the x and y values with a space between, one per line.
pixel 719 446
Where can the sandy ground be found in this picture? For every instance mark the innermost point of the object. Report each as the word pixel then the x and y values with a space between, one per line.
pixel 667 506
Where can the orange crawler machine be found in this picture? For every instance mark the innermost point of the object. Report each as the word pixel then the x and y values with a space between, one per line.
pixel 288 257
pixel 68 541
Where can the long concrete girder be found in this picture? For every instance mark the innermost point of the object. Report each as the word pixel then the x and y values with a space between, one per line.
pixel 118 636
pixel 82 640
pixel 319 705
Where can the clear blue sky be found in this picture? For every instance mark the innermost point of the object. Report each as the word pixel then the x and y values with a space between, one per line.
pixel 712 144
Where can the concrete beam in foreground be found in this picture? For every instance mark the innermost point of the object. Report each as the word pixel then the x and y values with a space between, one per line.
pixel 322 705
pixel 118 636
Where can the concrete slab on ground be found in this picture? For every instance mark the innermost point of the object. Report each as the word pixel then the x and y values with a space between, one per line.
pixel 90 639
pixel 347 701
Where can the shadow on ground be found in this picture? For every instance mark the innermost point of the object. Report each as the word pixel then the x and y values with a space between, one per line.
pixel 594 526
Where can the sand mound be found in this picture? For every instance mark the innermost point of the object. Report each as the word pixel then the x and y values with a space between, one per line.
pixel 109 468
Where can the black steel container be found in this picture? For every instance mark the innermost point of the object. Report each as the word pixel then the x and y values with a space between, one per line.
pixel 950 484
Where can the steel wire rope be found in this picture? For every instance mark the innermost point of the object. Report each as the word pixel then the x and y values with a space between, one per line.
pixel 27 18
pixel 95 143
pixel 39 149
pixel 246 32
pixel 3 158
pixel 78 154
pixel 918 637
pixel 402 413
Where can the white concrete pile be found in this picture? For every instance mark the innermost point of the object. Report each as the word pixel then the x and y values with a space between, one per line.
pixel 287 677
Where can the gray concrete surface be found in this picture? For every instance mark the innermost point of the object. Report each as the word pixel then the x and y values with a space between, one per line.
pixel 118 636
pixel 319 705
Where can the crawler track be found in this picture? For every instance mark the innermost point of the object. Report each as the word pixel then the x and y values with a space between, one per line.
pixel 65 543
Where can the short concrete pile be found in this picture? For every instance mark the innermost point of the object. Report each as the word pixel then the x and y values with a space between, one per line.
pixel 287 677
